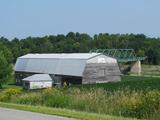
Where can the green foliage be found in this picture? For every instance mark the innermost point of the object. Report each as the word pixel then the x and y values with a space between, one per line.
pixel 151 70
pixel 5 64
pixel 133 97
pixel 29 99
pixel 77 42
pixel 126 102
pixel 8 93
pixel 55 98
pixel 142 105
pixel 6 52
pixel 132 82
pixel 5 70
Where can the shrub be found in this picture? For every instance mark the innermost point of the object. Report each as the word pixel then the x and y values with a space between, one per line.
pixel 55 98
pixel 141 105
pixel 8 93
pixel 151 104
pixel 128 103
pixel 123 102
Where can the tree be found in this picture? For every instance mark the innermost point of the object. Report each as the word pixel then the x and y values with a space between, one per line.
pixel 5 70
pixel 5 64
pixel 81 42
pixel 6 52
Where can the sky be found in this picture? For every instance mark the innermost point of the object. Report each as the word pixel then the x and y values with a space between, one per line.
pixel 24 18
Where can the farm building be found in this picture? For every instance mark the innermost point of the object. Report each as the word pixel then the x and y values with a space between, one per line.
pixel 72 68
pixel 37 81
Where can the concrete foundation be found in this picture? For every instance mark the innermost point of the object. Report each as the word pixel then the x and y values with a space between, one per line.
pixel 136 68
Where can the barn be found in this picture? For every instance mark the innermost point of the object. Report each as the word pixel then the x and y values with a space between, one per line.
pixel 71 68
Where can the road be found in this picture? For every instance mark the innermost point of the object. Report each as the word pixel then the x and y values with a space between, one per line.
pixel 10 114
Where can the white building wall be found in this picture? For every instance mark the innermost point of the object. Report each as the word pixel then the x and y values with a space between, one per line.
pixel 35 85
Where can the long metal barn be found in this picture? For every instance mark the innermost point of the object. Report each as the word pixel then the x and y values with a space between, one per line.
pixel 72 68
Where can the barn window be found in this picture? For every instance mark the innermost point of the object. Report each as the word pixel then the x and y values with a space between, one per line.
pixel 101 73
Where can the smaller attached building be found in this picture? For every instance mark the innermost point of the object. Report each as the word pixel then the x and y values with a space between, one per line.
pixel 37 81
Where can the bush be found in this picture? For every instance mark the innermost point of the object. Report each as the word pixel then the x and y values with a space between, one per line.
pixel 141 105
pixel 55 98
pixel 8 93
pixel 151 104
pixel 126 102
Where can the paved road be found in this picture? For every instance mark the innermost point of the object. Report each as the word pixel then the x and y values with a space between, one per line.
pixel 10 114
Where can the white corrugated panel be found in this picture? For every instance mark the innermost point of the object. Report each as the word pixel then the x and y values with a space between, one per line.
pixel 42 65
pixel 71 67
pixel 21 64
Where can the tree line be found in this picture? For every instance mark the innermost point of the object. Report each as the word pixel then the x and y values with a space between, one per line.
pixel 81 42
pixel 74 43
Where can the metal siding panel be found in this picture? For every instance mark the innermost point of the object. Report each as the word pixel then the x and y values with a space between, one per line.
pixel 21 64
pixel 71 67
pixel 74 67
pixel 42 65
pixel 51 66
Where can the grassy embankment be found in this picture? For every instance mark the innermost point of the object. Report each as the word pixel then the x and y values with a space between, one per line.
pixel 63 112
pixel 132 97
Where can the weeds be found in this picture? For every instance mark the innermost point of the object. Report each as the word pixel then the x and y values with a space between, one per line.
pixel 141 102
pixel 121 102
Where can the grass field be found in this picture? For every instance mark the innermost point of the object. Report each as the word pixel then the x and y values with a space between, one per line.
pixel 151 70
pixel 130 82
pixel 147 70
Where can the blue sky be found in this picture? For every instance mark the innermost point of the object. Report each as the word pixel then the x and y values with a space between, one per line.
pixel 23 18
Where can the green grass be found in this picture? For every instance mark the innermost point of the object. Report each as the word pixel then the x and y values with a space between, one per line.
pixel 134 96
pixel 151 70
pixel 131 82
pixel 6 86
pixel 63 112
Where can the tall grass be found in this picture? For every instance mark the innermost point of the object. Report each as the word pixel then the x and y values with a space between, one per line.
pixel 126 102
